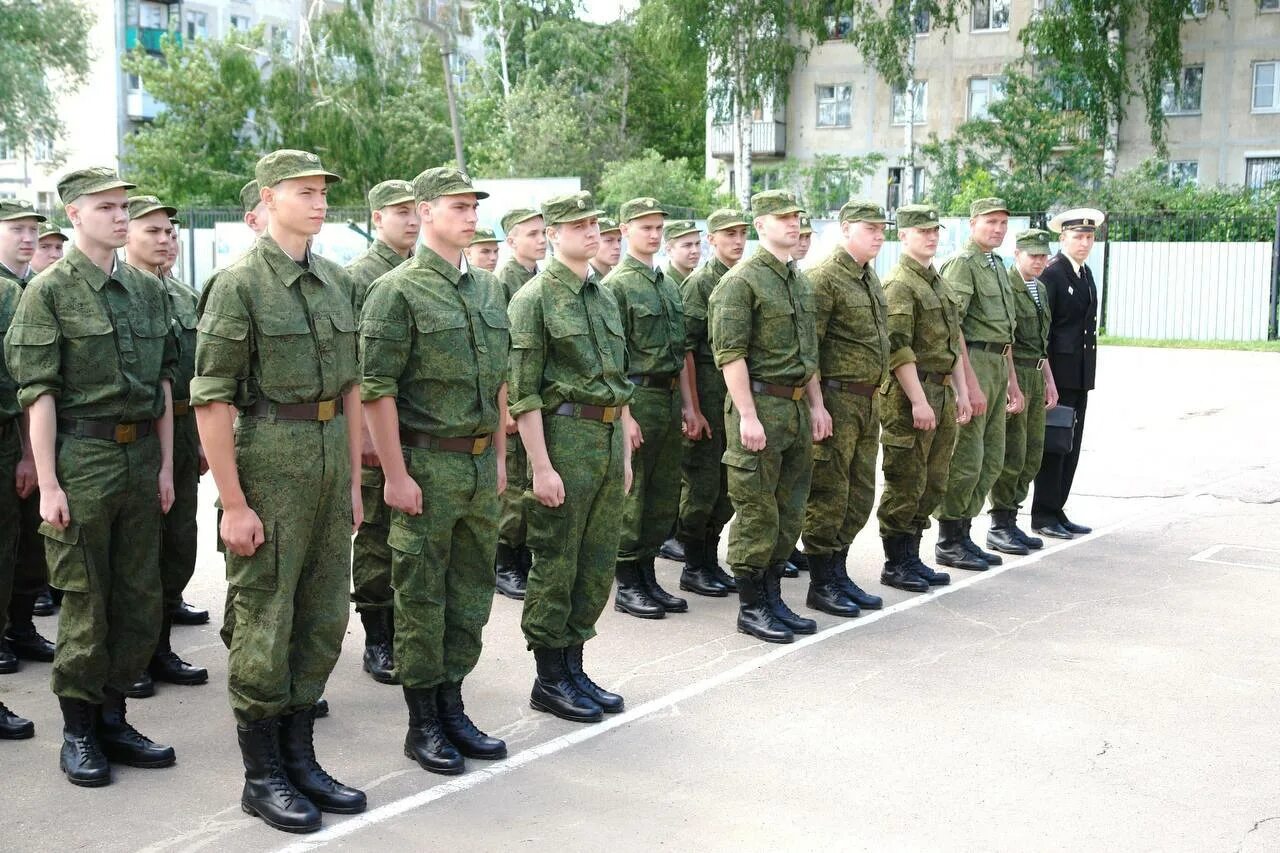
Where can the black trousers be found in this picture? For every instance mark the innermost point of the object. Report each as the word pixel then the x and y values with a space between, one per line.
pixel 1058 470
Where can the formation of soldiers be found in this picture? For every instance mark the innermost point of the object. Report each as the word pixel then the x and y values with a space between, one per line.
pixel 540 429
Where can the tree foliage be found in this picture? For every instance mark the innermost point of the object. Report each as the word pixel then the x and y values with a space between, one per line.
pixel 43 49
pixel 676 183
pixel 823 184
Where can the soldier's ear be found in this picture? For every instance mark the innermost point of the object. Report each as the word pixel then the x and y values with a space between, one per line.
pixel 268 196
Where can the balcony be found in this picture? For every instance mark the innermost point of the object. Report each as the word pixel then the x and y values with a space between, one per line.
pixel 768 140
pixel 141 106
pixel 148 38
pixel 1074 130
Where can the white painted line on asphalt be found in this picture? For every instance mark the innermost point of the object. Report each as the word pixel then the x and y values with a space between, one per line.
pixel 1208 555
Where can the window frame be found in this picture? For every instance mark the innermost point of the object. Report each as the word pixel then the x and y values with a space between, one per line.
pixel 1275 88
pixel 921 114
pixel 1174 93
pixel 1273 158
pixel 233 17
pixel 1175 177
pixel 834 101
pixel 990 80
pixel 1268 10
pixel 990 6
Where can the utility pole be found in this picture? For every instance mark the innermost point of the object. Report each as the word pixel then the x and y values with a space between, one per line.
pixel 448 45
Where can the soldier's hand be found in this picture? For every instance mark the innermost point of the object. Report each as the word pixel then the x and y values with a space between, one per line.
pixel 165 490
pixel 357 507
pixel 204 463
pixel 509 426
pixel 1016 401
pixel 635 437
pixel 25 479
pixel 751 433
pixel 820 419
pixel 53 507
pixel 404 494
pixel 548 488
pixel 1051 397
pixel 502 474
pixel 964 412
pixel 695 427
pixel 368 456
pixel 628 475
pixel 977 402
pixel 922 416
pixel 241 531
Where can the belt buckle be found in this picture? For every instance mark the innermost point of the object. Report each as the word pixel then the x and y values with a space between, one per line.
pixel 797 393
pixel 126 433
pixel 1040 363
pixel 479 445
pixel 945 380
pixel 1008 350
pixel 609 415
pixel 326 410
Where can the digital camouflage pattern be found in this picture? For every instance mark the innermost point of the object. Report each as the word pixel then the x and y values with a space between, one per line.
pixel 513 523
pixel 1024 432
pixel 378 259
pixel 652 318
pixel 514 276
pixel 178 545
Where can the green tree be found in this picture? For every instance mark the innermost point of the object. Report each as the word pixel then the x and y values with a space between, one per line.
pixel 43 41
pixel 676 183
pixel 823 184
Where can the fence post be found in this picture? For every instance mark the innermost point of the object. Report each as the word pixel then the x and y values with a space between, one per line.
pixel 1275 279
pixel 1104 295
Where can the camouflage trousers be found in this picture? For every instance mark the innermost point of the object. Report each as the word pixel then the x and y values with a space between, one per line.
pixel 653 503
pixel 704 488
pixel 10 511
pixel 979 454
pixel 513 522
pixel 575 544
pixel 915 461
pixel 289 598
pixel 769 488
pixel 442 565
pixel 370 556
pixel 844 473
pixel 1023 444
pixel 107 562
pixel 178 543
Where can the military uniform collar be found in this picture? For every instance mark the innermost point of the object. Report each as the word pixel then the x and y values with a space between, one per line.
pixel 287 270
pixel 849 262
pixel 388 254
pixel 88 271
pixel 561 273
pixel 652 274
pixel 972 247
pixel 718 267
pixel 927 273
pixel 771 261
pixel 5 272
pixel 429 259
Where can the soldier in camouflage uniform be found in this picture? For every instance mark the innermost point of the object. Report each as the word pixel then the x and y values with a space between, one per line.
pixel 569 395
pixel 853 358
pixel 527 240
pixel 49 248
pixel 94 357
pixel 277 379
pixel 765 343
pixel 653 325
pixel 1024 431
pixel 921 403
pixel 396 224
pixel 610 251
pixel 255 210
pixel 434 338
pixel 704 495
pixel 482 251
pixel 980 288
pixel 801 251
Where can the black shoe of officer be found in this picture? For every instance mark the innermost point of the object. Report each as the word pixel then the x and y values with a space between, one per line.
pixel 461 731
pixel 972 547
pixel 379 657
pixel 1003 535
pixel 756 617
pixel 799 560
pixel 1073 528
pixel 673 549
pixel 1049 527
pixel 268 793
pixel 713 561
pixel 773 597
pixel 632 595
pixel 556 692
pixel 298 755
pixel 426 742
pixel 13 727
pixel 166 666
pixel 610 703
pixel 143 688
pixel 825 593
pixel 81 758
pixel 697 575
pixel 22 636
pixel 508 579
pixel 8 660
pixel 44 605
pixel 950 549
pixel 184 614
pixel 122 743
pixel 915 564
pixel 858 595
pixel 789 569
pixel 667 601
pixel 897 571
pixel 322 708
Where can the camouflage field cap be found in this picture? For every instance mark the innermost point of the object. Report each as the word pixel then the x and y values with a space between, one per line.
pixel 12 208
pixel 775 203
pixel 806 224
pixel 677 228
pixel 638 207
pixel 249 196
pixel 726 217
pixel 608 225
pixel 483 235
pixel 918 216
pixel 388 193
pixel 988 205
pixel 444 180
pixel 569 208
pixel 1033 241
pixel 514 217
pixel 141 205
pixel 48 229
pixel 286 163
pixel 861 210
pixel 98 179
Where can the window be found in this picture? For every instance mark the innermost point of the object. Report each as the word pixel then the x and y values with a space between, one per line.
pixel 1184 172
pixel 1184 99
pixel 902 108
pixel 894 198
pixel 837 26
pixel 153 16
pixel 1269 5
pixel 197 24
pixel 45 201
pixel 1260 171
pixel 990 15
pixel 134 83
pixel 1266 87
pixel 1197 9
pixel 7 151
pixel 239 22
pixel 920 20
pixel 835 105
pixel 42 148
pixel 983 92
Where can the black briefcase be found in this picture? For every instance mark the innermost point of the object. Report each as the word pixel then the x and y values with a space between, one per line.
pixel 1059 429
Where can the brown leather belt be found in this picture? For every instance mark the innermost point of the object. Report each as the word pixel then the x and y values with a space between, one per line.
pixel 119 433
pixel 1003 349
pixel 786 392
pixel 605 414
pixel 851 387
pixel 935 378
pixel 181 407
pixel 1037 363
pixel 651 380
pixel 325 410
pixel 475 445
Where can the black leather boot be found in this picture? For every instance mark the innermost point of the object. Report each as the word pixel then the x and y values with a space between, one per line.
pixel 44 605
pixel 632 595
pixel 667 601
pixel 268 793
pixel 697 577
pixel 755 616
pixel 379 656
pixel 556 692
pixel 915 564
pixel 81 757
pixel 143 688
pixel 950 549
pixel 13 727
pixel 166 666
pixel 8 660
pixel 773 597
pixel 713 561
pixel 897 571
pixel 1033 543
pixel 322 708
pixel 799 560
pixel 508 579
pixel 298 755
pixel 610 703
pixel 825 593
pixel 461 731
pixel 122 743
pixel 184 614
pixel 673 549
pixel 972 547
pixel 859 596
pixel 426 742
pixel 22 636
pixel 1003 535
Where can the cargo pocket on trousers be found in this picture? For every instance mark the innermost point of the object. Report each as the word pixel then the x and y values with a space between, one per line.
pixel 823 453
pixel 405 578
pixel 68 563
pixel 742 467
pixel 260 571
